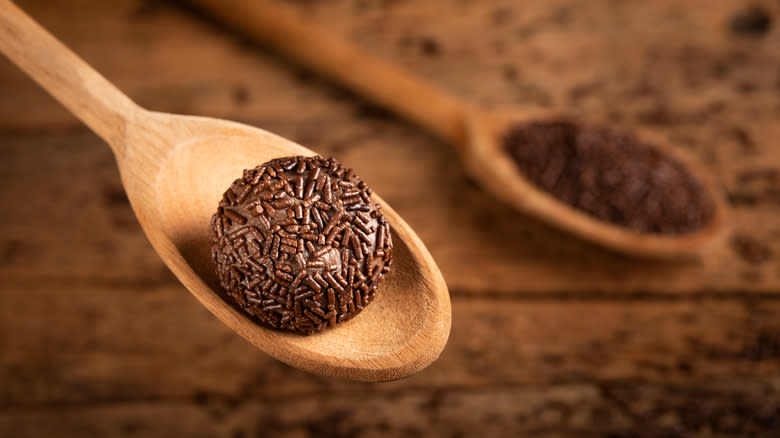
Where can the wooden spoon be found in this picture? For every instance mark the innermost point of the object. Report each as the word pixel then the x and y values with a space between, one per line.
pixel 175 169
pixel 475 132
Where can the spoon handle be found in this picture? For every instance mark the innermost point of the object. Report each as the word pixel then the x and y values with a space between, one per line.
pixel 282 28
pixel 64 75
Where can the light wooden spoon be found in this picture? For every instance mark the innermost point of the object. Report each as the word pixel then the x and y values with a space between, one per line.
pixel 175 169
pixel 477 133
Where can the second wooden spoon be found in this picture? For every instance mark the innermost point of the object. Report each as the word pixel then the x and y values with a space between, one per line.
pixel 478 134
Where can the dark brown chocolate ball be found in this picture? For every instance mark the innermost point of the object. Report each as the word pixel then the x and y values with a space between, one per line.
pixel 298 244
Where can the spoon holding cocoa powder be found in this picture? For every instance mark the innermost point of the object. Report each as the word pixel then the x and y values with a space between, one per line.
pixel 176 169
pixel 630 191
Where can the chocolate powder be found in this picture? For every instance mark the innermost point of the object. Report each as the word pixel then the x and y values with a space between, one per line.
pixel 611 176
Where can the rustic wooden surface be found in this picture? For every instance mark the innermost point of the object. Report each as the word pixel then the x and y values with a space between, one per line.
pixel 551 336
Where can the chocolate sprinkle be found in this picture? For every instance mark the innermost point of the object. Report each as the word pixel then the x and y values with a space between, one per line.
pixel 610 176
pixel 297 244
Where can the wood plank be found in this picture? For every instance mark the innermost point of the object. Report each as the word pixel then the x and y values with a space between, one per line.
pixel 537 40
pixel 701 409
pixel 78 343
pixel 65 215
pixel 407 414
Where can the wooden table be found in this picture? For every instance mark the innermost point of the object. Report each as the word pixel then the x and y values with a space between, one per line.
pixel 551 336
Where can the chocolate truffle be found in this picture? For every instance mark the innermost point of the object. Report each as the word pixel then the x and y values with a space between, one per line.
pixel 298 245
pixel 611 176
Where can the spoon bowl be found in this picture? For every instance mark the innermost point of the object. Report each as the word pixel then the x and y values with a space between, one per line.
pixel 488 162
pixel 402 331
pixel 175 170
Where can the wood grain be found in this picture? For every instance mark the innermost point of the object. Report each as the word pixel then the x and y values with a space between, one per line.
pixel 551 336
pixel 562 410
pixel 589 375
pixel 118 355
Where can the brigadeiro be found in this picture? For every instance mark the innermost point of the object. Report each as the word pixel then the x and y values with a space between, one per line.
pixel 298 245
